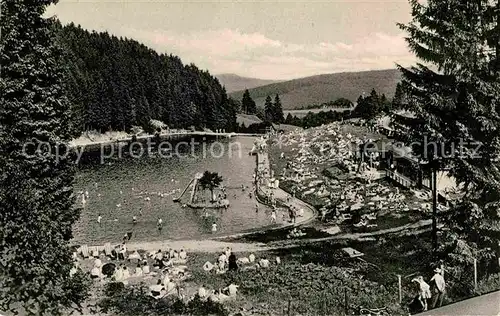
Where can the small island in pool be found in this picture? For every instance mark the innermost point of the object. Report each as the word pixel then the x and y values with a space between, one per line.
pixel 198 188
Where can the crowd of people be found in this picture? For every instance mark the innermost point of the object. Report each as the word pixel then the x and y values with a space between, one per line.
pixel 168 267
pixel 165 270
pixel 324 165
pixel 227 262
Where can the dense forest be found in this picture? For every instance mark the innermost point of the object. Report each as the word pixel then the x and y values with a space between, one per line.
pixel 369 108
pixel 115 83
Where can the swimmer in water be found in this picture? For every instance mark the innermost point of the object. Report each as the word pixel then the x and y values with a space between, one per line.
pixel 159 224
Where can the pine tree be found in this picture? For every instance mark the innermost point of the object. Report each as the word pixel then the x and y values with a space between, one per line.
pixel 269 110
pixel 385 105
pixel 249 106
pixel 35 179
pixel 236 104
pixel 368 107
pixel 279 116
pixel 455 93
pixel 374 104
pixel 398 99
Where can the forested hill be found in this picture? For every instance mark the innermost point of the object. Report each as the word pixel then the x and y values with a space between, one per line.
pixel 320 89
pixel 115 83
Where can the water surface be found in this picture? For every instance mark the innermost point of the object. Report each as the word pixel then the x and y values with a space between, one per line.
pixel 139 179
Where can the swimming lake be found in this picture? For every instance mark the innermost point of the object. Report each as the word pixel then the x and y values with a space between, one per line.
pixel 121 188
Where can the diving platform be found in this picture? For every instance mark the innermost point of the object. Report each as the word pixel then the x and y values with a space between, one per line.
pixel 192 184
pixel 178 199
pixel 194 187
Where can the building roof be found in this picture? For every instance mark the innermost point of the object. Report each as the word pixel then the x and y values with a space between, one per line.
pixel 405 113
pixel 247 119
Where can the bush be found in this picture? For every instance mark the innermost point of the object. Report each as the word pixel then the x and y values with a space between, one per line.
pixel 114 288
pixel 490 284
pixel 135 301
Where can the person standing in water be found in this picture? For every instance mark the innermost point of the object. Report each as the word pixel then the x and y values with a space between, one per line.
pixel 160 224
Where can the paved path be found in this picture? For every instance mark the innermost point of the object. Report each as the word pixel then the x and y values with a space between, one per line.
pixel 488 304
pixel 198 246
pixel 218 245
pixel 264 167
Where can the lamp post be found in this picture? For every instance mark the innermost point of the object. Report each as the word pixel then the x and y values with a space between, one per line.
pixel 434 205
pixel 432 166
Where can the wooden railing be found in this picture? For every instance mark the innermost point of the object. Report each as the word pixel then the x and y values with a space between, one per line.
pixel 399 178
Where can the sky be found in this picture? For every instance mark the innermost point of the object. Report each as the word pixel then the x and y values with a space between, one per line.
pixel 261 39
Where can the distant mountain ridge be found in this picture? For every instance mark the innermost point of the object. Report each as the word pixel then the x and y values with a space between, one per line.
pixel 319 89
pixel 234 82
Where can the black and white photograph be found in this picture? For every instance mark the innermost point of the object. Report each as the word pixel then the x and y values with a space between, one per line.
pixel 249 157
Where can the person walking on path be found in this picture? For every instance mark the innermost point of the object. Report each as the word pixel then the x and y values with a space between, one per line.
pixel 424 291
pixel 292 215
pixel 273 217
pixel 438 288
pixel 323 215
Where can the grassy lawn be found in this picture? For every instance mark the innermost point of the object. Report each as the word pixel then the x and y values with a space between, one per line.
pixel 313 286
pixel 316 278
